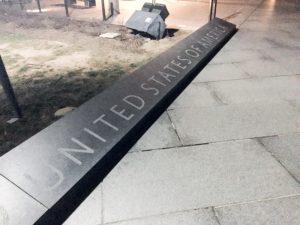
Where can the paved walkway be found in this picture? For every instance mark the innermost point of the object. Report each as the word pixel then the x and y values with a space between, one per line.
pixel 227 152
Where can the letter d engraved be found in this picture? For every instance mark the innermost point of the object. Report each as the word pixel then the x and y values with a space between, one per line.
pixel 60 176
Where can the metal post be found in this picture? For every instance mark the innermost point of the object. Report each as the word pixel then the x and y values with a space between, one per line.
pixel 103 10
pixel 8 89
pixel 39 5
pixel 213 9
pixel 210 10
pixel 66 7
pixel 111 9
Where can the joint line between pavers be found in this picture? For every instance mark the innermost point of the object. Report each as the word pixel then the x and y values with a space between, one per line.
pixel 102 205
pixel 174 127
pixel 259 200
pixel 259 5
pixel 156 215
pixel 199 144
pixel 25 192
pixel 215 215
pixel 246 78
pixel 259 141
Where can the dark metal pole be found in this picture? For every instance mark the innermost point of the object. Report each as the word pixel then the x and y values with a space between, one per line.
pixel 111 9
pixel 215 9
pixel 66 7
pixel 39 5
pixel 210 10
pixel 8 89
pixel 103 10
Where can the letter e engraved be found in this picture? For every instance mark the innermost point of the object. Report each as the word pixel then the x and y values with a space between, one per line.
pixel 135 101
pixel 85 150
pixel 121 113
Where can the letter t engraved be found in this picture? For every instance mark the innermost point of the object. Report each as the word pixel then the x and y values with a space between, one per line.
pixel 105 122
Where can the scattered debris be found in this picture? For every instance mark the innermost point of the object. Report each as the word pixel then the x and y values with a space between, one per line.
pixel 12 120
pixel 110 35
pixel 63 111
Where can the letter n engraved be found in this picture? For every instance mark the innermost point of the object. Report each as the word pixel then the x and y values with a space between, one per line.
pixel 85 149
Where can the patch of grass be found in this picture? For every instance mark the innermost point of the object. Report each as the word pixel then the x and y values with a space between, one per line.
pixel 133 65
pixel 40 98
pixel 11 37
pixel 10 60
pixel 23 69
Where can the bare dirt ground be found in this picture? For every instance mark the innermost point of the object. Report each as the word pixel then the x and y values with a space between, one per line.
pixel 58 62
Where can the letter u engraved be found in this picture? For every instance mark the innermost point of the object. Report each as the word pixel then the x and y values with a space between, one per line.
pixel 56 173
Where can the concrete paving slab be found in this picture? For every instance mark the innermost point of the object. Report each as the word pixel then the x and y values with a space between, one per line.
pixel 281 53
pixel 236 55
pixel 220 123
pixel 247 40
pixel 289 58
pixel 89 212
pixel 286 148
pixel 263 68
pixel 161 135
pixel 283 211
pixel 296 103
pixel 217 72
pixel 196 95
pixel 271 89
pixel 16 206
pixel 163 181
pixel 193 217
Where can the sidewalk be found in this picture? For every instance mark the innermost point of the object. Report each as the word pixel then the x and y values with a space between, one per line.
pixel 227 151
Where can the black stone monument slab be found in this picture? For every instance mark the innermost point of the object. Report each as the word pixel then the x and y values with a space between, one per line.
pixel 62 164
pixel 16 207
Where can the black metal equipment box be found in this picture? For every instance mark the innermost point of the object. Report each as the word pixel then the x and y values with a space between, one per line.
pixel 160 9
